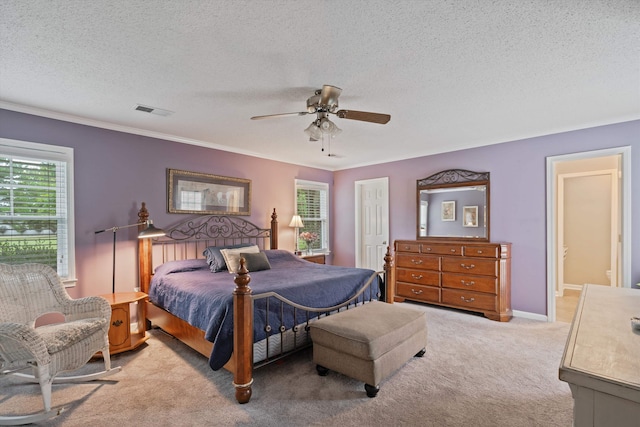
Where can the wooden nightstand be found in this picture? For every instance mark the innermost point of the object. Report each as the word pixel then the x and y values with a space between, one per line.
pixel 122 335
pixel 317 258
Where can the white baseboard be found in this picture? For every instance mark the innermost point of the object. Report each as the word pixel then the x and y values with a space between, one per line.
pixel 528 315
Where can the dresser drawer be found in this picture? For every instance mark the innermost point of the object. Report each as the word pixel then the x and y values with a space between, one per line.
pixel 418 292
pixel 483 251
pixel 420 277
pixel 470 283
pixel 418 261
pixel 468 300
pixel 407 247
pixel 428 248
pixel 479 266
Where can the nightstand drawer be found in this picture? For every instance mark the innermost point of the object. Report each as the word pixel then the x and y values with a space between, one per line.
pixel 317 258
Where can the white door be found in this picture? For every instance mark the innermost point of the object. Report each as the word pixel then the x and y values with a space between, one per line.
pixel 372 222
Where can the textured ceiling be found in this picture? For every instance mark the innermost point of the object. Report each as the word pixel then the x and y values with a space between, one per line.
pixel 452 74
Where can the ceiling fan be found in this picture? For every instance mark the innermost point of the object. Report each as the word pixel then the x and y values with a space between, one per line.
pixel 323 103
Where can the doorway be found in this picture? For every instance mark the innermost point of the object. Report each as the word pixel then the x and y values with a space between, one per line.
pixel 372 222
pixel 598 180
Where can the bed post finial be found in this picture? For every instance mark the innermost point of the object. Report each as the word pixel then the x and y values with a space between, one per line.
pixel 243 334
pixel 273 244
pixel 144 253
pixel 143 213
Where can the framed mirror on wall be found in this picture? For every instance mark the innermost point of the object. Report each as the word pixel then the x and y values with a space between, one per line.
pixel 453 204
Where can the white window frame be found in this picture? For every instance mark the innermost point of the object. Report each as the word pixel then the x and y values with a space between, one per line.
pixel 35 150
pixel 321 186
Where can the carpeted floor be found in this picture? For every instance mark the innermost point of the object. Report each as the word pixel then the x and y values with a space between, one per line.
pixel 475 372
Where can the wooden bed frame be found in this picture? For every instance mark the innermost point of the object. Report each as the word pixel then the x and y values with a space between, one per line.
pixel 241 362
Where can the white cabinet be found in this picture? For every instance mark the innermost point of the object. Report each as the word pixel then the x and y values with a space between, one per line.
pixel 601 361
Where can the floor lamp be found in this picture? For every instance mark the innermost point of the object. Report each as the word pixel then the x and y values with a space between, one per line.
pixel 147 233
pixel 296 222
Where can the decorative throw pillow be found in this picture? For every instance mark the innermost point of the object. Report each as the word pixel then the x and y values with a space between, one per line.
pixel 216 260
pixel 232 256
pixel 256 262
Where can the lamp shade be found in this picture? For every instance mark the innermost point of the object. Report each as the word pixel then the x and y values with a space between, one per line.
pixel 150 231
pixel 296 221
pixel 314 131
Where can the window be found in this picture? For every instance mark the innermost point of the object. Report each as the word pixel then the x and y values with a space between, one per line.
pixel 36 205
pixel 312 204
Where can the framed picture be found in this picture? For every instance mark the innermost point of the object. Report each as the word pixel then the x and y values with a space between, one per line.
pixel 201 193
pixel 470 216
pixel 448 210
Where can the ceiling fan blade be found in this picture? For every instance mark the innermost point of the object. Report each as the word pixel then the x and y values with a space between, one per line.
pixel 364 116
pixel 271 116
pixel 329 95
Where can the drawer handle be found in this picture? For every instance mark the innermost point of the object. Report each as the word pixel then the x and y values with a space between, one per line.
pixel 467 300
pixel 417 261
pixel 117 323
pixel 406 248
pixel 416 276
pixel 418 292
pixel 468 267
pixel 428 249
pixel 471 283
pixel 453 251
pixel 479 251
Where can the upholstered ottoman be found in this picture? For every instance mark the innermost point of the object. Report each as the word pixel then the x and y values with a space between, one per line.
pixel 369 342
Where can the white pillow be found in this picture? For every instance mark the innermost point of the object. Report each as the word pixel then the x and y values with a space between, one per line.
pixel 232 256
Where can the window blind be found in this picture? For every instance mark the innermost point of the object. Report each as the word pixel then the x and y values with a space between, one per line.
pixel 313 207
pixel 34 209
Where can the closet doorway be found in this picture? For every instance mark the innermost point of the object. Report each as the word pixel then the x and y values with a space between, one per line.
pixel 372 222
pixel 587 213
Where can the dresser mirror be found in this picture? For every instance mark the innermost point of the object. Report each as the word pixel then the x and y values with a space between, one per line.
pixel 453 205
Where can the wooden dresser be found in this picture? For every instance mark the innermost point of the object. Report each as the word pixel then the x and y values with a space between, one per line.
pixel 474 276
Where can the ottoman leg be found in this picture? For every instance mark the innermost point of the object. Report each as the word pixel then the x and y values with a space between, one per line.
pixel 322 371
pixel 371 390
pixel 421 353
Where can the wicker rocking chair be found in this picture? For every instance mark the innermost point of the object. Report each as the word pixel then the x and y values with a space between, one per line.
pixel 27 292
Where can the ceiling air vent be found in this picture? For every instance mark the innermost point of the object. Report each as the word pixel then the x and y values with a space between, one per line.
pixel 153 110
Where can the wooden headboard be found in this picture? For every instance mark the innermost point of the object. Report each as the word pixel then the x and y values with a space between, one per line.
pixel 189 238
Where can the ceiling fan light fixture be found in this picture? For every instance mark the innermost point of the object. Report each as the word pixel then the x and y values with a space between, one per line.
pixel 313 131
pixel 329 128
pixel 335 131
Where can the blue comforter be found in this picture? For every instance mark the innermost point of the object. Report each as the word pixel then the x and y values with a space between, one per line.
pixel 190 291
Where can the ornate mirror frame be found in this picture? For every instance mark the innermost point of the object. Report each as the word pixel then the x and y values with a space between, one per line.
pixel 462 206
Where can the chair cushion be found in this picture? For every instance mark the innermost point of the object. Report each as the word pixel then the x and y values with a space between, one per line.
pixel 368 331
pixel 59 336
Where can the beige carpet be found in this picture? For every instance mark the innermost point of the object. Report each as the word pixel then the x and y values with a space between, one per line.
pixel 476 372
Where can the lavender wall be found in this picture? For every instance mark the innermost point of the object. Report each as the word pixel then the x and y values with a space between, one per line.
pixel 518 198
pixel 115 172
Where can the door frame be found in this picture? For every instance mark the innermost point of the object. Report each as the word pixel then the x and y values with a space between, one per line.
pixel 358 213
pixel 552 230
